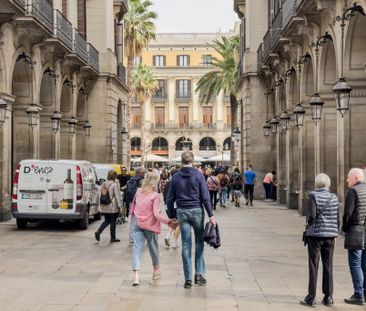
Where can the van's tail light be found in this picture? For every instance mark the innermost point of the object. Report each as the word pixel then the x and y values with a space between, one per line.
pixel 79 184
pixel 15 183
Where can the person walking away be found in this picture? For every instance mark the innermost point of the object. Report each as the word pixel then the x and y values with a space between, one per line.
pixel 146 210
pixel 171 232
pixel 237 188
pixel 322 227
pixel 189 191
pixel 354 228
pixel 112 207
pixel 224 183
pixel 213 184
pixel 235 173
pixel 123 178
pixel 133 184
pixel 163 181
pixel 249 182
pixel 267 184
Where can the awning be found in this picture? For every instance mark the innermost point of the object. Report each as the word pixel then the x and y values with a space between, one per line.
pixel 151 158
pixel 220 158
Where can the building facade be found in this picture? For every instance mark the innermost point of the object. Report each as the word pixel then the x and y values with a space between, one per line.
pixel 292 55
pixel 62 56
pixel 175 117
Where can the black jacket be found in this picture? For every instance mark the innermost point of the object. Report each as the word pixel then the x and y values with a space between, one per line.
pixel 212 235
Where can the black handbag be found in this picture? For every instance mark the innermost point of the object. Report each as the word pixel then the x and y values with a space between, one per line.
pixel 355 238
pixel 305 238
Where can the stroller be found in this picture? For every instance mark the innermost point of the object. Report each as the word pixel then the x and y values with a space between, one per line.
pixel 121 219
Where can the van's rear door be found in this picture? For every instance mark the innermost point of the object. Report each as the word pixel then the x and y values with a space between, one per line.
pixel 62 188
pixel 32 187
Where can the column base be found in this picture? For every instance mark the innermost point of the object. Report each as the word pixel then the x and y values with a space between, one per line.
pixel 5 208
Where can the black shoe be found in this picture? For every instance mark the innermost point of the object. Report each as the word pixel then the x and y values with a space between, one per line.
pixel 115 240
pixel 247 203
pixel 188 284
pixel 97 236
pixel 327 301
pixel 308 303
pixel 355 300
pixel 199 280
pixel 251 203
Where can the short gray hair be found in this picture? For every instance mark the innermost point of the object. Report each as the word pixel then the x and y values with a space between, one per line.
pixel 357 172
pixel 187 158
pixel 322 181
pixel 139 170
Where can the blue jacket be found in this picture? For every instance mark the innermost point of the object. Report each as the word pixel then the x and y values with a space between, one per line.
pixel 188 189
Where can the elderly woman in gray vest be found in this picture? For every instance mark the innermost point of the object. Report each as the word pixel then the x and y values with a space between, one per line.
pixel 321 230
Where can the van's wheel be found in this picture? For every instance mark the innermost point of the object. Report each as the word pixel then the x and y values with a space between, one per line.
pixel 84 223
pixel 22 223
pixel 97 216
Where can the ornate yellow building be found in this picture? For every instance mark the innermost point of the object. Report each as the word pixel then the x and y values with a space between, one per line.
pixel 175 118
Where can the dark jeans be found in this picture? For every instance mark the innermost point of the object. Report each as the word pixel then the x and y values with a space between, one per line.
pixel 357 266
pixel 213 197
pixel 109 219
pixel 248 192
pixel 268 190
pixel 324 248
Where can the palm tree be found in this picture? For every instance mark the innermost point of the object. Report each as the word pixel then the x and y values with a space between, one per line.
pixel 223 78
pixel 144 84
pixel 139 29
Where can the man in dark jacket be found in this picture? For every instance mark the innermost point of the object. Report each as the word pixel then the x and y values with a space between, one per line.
pixel 189 191
pixel 354 228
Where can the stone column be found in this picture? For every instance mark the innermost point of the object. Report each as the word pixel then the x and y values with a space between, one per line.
pixel 195 121
pixel 220 99
pixel 171 92
pixel 302 173
pixel 317 149
pixel 343 155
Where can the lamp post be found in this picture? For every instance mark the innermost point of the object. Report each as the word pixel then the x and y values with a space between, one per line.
pixel 341 89
pixel 274 124
pixel 87 127
pixel 33 115
pixel 266 129
pixel 56 119
pixel 3 107
pixel 285 120
pixel 316 103
pixel 72 125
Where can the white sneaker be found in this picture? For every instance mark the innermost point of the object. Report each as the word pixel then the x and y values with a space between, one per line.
pixel 175 244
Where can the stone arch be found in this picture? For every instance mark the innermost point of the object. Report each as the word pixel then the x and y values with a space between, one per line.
pixel 3 80
pixel 228 142
pixel 159 143
pixel 66 105
pixel 179 145
pixel 207 143
pixel 308 79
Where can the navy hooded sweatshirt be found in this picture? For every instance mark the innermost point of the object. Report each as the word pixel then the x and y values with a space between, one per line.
pixel 188 189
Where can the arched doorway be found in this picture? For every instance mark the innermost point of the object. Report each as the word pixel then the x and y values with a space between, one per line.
pixel 227 143
pixel 136 147
pixel 22 134
pixel 207 144
pixel 66 110
pixel 183 143
pixel 47 101
pixel 160 146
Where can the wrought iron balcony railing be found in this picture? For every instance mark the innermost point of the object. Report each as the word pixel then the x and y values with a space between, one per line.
pixel 267 43
pixel 121 73
pixel 288 11
pixel 184 96
pixel 62 29
pixel 80 45
pixel 41 10
pixel 276 28
pixel 93 57
pixel 22 3
pixel 260 56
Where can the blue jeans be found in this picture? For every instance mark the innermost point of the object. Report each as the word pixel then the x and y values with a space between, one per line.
pixel 357 266
pixel 223 195
pixel 139 237
pixel 188 219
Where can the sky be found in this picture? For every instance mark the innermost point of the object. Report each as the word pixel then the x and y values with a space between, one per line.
pixel 194 15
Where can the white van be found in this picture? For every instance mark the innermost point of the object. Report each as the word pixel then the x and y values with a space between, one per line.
pixel 102 170
pixel 55 189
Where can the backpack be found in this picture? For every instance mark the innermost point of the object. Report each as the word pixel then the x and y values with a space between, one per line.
pixel 224 181
pixel 132 185
pixel 105 198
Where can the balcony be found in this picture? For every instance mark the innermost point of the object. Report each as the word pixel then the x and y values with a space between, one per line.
pixel 276 29
pixel 266 44
pixel 93 57
pixel 21 3
pixel 158 126
pixel 62 29
pixel 80 46
pixel 42 11
pixel 260 56
pixel 160 97
pixel 136 126
pixel 210 126
pixel 121 71
pixel 288 11
pixel 184 97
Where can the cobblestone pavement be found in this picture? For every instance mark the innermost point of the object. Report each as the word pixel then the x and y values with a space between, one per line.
pixel 261 265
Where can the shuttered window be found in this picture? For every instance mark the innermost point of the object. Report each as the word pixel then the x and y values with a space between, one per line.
pixel 183 60
pixel 82 17
pixel 183 117
pixel 159 117
pixel 207 115
pixel 159 60
pixel 183 88
pixel 136 117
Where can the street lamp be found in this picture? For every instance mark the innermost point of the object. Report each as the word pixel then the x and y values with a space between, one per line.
pixel 274 123
pixel 285 120
pixel 316 104
pixel 72 125
pixel 299 113
pixel 56 119
pixel 33 115
pixel 266 129
pixel 124 131
pixel 341 89
pixel 3 107
pixel 87 127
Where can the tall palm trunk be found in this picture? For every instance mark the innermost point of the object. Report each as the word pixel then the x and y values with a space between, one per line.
pixel 234 125
pixel 143 143
pixel 128 108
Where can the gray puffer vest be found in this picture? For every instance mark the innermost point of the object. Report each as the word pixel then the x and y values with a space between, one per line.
pixel 359 214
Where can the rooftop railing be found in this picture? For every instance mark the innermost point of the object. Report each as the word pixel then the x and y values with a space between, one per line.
pixel 80 45
pixel 42 10
pixel 93 57
pixel 62 29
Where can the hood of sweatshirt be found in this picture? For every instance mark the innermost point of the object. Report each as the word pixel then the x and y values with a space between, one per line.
pixel 187 172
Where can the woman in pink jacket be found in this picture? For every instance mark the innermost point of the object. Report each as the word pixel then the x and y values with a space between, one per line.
pixel 146 209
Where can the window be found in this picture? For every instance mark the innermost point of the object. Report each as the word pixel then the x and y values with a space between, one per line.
pixel 228 116
pixel 183 88
pixel 207 60
pixel 207 114
pixel 161 91
pixel 159 60
pixel 183 117
pixel 159 117
pixel 136 117
pixel 137 61
pixel 82 17
pixel 183 60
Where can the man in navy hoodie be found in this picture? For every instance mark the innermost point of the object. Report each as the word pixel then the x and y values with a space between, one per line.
pixel 189 191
